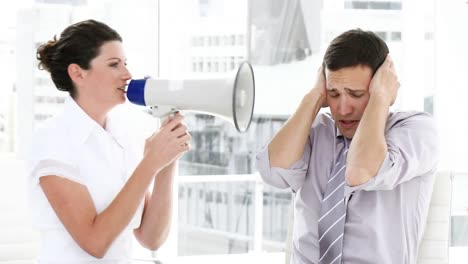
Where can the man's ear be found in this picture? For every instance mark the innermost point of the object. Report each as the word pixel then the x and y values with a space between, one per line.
pixel 75 72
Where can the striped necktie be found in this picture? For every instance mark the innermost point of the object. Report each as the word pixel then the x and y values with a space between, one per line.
pixel 333 212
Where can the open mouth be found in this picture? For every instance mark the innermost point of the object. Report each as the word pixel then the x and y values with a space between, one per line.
pixel 348 123
pixel 123 88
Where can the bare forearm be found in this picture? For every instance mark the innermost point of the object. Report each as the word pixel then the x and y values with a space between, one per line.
pixel 288 144
pixel 155 224
pixel 368 147
pixel 110 222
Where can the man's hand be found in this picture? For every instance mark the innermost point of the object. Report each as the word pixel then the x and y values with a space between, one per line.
pixel 320 87
pixel 385 82
pixel 289 143
pixel 369 146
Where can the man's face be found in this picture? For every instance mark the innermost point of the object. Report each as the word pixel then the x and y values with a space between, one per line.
pixel 347 96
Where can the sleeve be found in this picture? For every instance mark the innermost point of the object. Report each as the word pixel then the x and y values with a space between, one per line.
pixel 56 167
pixel 291 177
pixel 50 156
pixel 413 151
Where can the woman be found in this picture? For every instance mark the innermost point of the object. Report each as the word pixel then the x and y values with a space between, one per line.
pixel 89 190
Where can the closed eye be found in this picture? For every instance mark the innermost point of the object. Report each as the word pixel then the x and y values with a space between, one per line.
pixel 356 95
pixel 333 94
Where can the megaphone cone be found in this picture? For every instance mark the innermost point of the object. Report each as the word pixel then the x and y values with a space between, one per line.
pixel 232 98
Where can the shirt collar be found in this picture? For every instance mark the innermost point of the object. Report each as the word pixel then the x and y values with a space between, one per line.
pixel 341 138
pixel 115 127
pixel 337 131
pixel 78 121
pixel 338 134
pixel 83 125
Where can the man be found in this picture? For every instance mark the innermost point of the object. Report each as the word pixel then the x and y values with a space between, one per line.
pixel 362 176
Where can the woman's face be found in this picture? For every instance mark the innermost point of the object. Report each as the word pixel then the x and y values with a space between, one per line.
pixel 107 75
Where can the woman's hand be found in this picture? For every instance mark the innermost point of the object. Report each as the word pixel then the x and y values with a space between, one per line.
pixel 169 143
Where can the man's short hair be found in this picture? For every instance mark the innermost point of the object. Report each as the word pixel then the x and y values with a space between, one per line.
pixel 355 47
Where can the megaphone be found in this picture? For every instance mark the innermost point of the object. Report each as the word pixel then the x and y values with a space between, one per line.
pixel 231 98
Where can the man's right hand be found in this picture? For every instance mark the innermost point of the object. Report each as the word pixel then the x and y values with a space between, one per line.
pixel 289 143
pixel 320 87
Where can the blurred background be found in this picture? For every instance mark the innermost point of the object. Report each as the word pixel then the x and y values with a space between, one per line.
pixel 223 208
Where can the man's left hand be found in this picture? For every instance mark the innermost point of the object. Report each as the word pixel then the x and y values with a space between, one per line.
pixel 385 82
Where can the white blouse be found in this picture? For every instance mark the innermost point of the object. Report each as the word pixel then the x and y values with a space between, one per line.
pixel 73 146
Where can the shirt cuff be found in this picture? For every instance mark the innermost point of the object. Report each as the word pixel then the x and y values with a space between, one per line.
pixel 291 177
pixel 371 183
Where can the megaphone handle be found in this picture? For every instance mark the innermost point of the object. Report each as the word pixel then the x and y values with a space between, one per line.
pixel 163 112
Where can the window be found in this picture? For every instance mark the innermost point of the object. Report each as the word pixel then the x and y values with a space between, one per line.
pixel 395 36
pixel 382 5
pixel 429 104
pixel 220 194
pixel 381 34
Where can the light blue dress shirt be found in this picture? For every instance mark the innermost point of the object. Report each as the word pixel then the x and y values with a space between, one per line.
pixel 385 216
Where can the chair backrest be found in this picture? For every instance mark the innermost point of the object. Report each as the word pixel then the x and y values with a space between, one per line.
pixel 434 248
pixel 435 243
pixel 19 242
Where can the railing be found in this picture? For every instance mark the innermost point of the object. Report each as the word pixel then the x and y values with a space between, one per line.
pixel 257 202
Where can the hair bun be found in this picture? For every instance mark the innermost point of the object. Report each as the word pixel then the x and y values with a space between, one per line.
pixel 45 52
